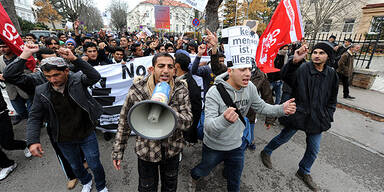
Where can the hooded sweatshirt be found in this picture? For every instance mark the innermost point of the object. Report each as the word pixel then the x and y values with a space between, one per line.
pixel 220 134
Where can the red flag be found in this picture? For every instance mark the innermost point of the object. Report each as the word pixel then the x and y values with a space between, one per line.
pixel 285 27
pixel 11 37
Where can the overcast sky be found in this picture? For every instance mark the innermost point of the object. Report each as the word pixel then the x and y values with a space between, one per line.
pixel 102 5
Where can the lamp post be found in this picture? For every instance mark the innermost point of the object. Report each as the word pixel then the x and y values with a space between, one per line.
pixel 248 1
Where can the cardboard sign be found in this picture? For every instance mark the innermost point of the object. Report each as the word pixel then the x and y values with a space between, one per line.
pixel 162 17
pixel 240 44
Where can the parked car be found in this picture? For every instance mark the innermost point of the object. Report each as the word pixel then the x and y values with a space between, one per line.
pixel 44 33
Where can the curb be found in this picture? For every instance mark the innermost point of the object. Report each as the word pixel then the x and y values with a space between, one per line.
pixel 366 112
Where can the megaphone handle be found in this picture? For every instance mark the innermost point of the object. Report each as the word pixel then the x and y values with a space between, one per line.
pixel 154 113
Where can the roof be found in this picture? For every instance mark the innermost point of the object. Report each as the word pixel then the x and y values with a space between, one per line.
pixel 370 6
pixel 166 3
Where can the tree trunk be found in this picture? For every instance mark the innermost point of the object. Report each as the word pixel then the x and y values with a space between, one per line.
pixel 53 24
pixel 9 6
pixel 211 17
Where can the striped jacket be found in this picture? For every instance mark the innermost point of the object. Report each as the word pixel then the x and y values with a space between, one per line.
pixel 150 150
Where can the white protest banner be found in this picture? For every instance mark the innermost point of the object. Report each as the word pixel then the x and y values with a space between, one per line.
pixel 240 44
pixel 197 4
pixel 147 31
pixel 112 89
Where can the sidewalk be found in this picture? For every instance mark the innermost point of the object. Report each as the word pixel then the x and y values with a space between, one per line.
pixel 366 100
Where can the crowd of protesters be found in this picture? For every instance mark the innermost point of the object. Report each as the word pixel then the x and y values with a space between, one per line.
pixel 54 95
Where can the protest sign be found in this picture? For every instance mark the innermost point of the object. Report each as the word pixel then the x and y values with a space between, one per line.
pixel 162 17
pixel 240 44
pixel 112 89
pixel 197 4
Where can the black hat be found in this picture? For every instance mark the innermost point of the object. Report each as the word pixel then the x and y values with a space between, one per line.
pixel 349 40
pixel 327 47
pixel 332 36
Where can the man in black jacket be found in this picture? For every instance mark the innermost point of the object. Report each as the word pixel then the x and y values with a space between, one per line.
pixel 314 87
pixel 182 72
pixel 71 113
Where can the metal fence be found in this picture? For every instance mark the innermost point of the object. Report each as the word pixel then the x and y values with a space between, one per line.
pixel 370 44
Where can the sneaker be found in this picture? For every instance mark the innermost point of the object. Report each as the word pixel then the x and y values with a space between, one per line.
pixel 87 187
pixel 349 97
pixel 71 184
pixel 6 171
pixel 27 153
pixel 307 180
pixel 104 190
pixel 266 159
pixel 192 185
pixel 252 146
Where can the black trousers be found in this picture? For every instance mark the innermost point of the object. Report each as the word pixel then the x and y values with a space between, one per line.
pixel 345 80
pixel 149 175
pixel 7 140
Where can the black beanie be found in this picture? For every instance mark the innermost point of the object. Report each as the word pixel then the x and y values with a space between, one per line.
pixel 327 47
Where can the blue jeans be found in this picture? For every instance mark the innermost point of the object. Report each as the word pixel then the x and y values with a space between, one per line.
pixel 233 165
pixel 311 150
pixel 21 106
pixel 276 89
pixel 71 151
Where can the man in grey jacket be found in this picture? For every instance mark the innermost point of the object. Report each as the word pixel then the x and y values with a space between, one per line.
pixel 223 129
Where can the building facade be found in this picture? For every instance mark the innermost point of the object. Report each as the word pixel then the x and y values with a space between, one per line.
pixel 358 17
pixel 24 9
pixel 181 16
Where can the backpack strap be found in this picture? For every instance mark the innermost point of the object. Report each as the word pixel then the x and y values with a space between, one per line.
pixel 228 101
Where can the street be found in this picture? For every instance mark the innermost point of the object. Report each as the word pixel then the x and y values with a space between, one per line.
pixel 350 159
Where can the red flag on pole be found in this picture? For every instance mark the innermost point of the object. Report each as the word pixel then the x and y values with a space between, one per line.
pixel 11 37
pixel 285 27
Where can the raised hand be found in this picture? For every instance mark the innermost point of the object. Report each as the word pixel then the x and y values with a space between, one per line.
pixel 66 53
pixel 300 54
pixel 201 50
pixel 29 49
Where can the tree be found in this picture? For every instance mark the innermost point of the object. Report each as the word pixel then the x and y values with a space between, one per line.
pixel 45 12
pixel 118 10
pixel 211 16
pixel 258 10
pixel 26 26
pixel 71 9
pixel 9 6
pixel 91 18
pixel 317 14
pixel 230 14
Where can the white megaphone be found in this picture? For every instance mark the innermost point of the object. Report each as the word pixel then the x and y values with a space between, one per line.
pixel 153 119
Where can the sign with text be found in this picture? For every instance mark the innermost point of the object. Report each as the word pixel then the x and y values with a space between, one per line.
pixel 112 89
pixel 162 17
pixel 197 4
pixel 240 44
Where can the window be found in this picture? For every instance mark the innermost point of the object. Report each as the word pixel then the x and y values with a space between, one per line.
pixel 177 27
pixel 326 26
pixel 348 25
pixel 183 27
pixel 376 24
pixel 177 15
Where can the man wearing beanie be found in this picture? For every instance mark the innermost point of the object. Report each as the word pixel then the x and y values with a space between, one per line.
pixel 224 124
pixel 314 87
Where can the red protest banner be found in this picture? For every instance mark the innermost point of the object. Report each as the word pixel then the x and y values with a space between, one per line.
pixel 11 37
pixel 285 27
pixel 162 18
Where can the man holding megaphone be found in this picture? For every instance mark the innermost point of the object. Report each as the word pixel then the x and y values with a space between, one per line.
pixel 158 117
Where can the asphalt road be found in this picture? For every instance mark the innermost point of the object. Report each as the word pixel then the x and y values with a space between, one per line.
pixel 342 165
